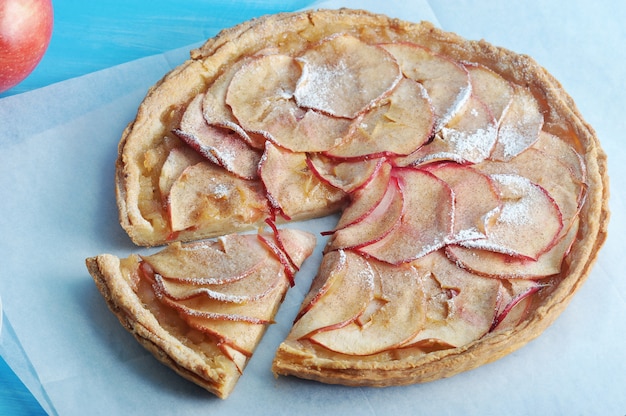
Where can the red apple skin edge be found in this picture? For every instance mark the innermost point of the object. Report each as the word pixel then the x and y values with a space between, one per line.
pixel 25 32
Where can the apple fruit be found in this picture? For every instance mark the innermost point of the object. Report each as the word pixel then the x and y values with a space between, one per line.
pixel 25 32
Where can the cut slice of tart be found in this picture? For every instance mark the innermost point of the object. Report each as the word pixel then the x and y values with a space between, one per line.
pixel 473 196
pixel 201 308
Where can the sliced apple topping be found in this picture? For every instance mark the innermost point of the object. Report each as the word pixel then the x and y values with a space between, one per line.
pixel 343 76
pixel 228 289
pixel 179 159
pixel 427 220
pixel 365 200
pixel 220 146
pixel 501 265
pixel 528 223
pixel 447 82
pixel 205 191
pixel 252 287
pixel 399 125
pixel 397 314
pixel 347 290
pixel 217 113
pixel 468 138
pixel 514 299
pixel 455 200
pixel 464 304
pixel 473 133
pixel 297 245
pixel 375 225
pixel 251 311
pixel 554 147
pixel 536 166
pixel 261 97
pixel 519 127
pixel 490 88
pixel 348 176
pixel 476 199
pixel 209 263
pixel 291 187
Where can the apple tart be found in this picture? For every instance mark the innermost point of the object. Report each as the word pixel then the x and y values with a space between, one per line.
pixel 202 307
pixel 471 194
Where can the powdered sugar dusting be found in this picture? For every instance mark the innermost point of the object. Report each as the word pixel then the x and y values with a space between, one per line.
pixel 473 146
pixel 516 191
pixel 318 85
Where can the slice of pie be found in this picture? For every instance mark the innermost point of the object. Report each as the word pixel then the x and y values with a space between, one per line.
pixel 201 308
pixel 472 196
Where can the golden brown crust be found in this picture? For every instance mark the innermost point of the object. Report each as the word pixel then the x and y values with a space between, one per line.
pixel 164 103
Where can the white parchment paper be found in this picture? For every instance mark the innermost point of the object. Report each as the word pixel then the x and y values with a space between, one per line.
pixel 57 151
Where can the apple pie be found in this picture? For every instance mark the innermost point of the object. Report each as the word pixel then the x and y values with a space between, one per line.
pixel 472 197
pixel 202 307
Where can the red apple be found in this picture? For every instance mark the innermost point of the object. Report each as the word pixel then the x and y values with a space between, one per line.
pixel 25 32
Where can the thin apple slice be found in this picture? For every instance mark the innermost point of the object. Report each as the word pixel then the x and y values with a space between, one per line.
pixel 476 199
pixel 490 88
pixel 365 199
pixel 209 262
pixel 447 82
pixel 255 285
pixel 514 299
pixel 519 127
pixel 179 159
pixel 240 326
pixel 503 266
pixel 297 244
pixel 460 305
pixel 260 95
pixel 254 311
pixel 288 267
pixel 348 176
pixel 468 138
pixel 206 192
pixel 343 76
pixel 547 172
pixel 398 314
pixel 217 113
pixel 472 134
pixel 290 186
pixel 333 264
pixel 374 226
pixel 346 292
pixel 426 224
pixel 528 224
pixel 232 337
pixel 398 126
pixel 220 146
pixel 437 150
pixel 553 146
pixel 290 246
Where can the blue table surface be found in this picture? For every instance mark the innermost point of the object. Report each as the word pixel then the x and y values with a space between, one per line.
pixel 90 36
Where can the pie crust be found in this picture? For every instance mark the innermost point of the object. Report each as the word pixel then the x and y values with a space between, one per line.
pixel 313 95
